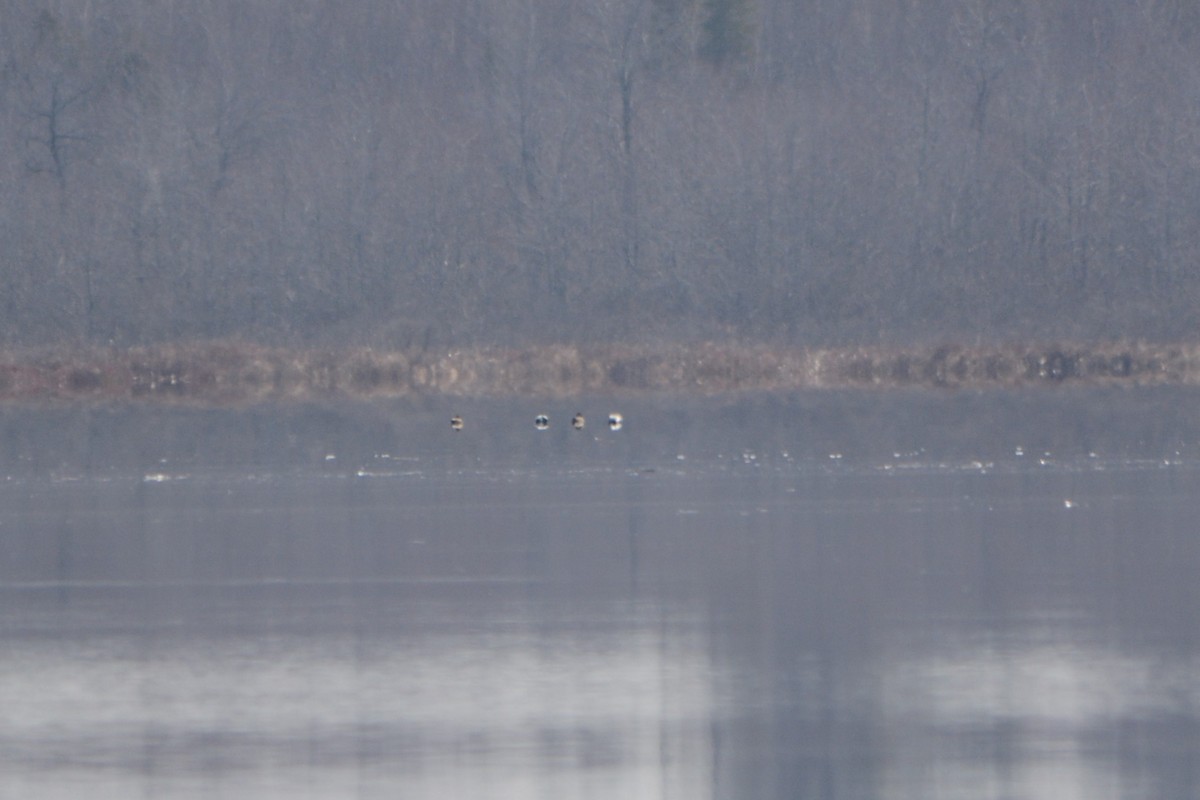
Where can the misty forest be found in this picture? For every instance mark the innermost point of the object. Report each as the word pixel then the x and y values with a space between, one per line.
pixel 800 172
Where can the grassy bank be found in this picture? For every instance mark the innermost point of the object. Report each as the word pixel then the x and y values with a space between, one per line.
pixel 217 374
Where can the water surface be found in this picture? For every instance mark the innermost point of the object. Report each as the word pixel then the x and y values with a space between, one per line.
pixel 643 624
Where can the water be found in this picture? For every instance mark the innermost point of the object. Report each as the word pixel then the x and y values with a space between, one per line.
pixel 739 625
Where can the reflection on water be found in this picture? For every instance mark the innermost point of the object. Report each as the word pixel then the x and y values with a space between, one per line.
pixel 1057 711
pixel 491 712
pixel 731 631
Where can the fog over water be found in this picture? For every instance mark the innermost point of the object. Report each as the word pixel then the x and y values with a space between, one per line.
pixel 729 598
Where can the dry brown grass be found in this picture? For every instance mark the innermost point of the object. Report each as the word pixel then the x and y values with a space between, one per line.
pixel 231 373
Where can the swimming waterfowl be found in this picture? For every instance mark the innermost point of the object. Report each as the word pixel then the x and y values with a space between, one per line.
pixel 541 422
pixel 456 423
pixel 578 421
pixel 615 421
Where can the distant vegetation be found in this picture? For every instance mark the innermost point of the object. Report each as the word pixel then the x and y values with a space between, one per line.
pixel 423 174
pixel 230 374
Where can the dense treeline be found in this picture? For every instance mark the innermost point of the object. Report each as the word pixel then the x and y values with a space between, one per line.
pixel 435 171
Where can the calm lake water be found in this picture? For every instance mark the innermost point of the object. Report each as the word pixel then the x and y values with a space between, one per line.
pixel 630 624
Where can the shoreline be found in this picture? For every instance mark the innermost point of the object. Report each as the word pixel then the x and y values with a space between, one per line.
pixel 232 373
